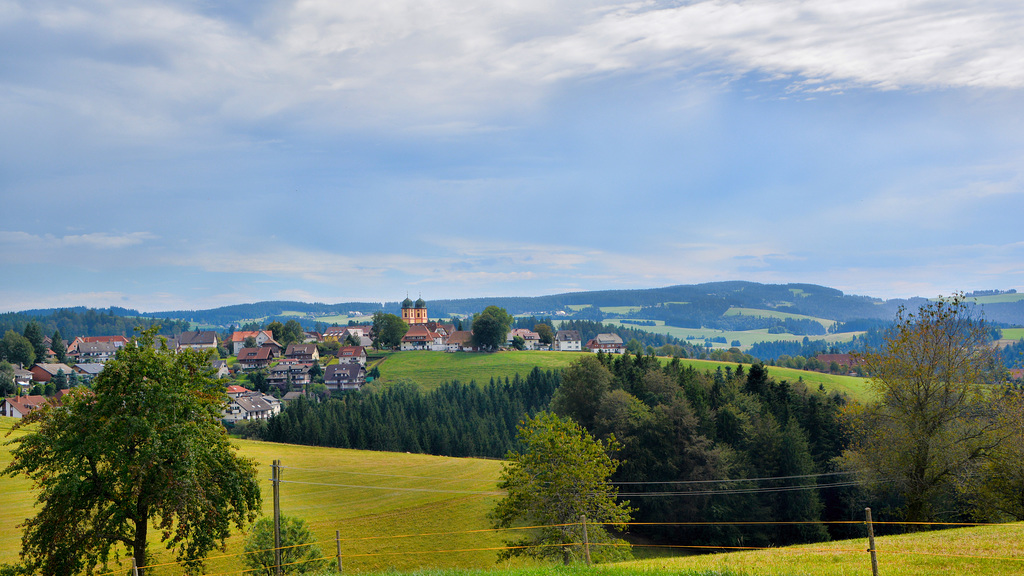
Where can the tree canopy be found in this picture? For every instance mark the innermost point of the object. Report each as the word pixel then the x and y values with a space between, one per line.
pixel 144 447
pixel 388 330
pixel 490 327
pixel 560 475
pixel 936 416
pixel 299 553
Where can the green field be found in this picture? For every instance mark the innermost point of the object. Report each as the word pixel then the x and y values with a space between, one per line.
pixel 747 338
pixel 375 499
pixel 1013 333
pixel 998 298
pixel 735 311
pixel 431 369
pixel 620 309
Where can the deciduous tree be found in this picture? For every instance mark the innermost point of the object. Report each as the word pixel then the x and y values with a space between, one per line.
pixel 144 448
pixel 490 327
pixel 935 417
pixel 388 330
pixel 560 476
pixel 299 554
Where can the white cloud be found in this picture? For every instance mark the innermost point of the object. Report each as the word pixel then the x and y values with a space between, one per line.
pixel 147 67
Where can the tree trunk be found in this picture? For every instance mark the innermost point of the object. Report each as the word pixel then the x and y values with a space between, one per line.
pixel 139 544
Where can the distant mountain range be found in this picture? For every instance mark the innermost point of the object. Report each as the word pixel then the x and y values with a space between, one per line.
pixel 694 305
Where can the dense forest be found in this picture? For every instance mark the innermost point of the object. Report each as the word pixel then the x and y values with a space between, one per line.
pixel 454 420
pixel 89 322
pixel 687 436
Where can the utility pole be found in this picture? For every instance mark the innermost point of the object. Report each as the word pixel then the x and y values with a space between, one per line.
pixel 277 517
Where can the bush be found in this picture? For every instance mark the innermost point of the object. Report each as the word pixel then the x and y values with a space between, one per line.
pixel 295 557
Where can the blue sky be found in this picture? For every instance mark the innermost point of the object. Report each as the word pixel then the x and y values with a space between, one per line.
pixel 193 154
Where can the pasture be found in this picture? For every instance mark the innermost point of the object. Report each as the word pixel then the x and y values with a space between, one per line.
pixel 747 338
pixel 382 503
pixel 430 369
pixel 736 311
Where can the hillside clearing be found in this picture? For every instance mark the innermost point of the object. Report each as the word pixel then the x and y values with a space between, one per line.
pixel 430 369
pixel 375 499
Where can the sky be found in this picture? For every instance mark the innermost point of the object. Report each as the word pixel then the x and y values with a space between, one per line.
pixel 190 154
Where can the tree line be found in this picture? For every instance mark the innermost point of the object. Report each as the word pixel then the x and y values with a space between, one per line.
pixel 455 419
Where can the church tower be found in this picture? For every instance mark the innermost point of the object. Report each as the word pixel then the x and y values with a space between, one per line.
pixel 414 312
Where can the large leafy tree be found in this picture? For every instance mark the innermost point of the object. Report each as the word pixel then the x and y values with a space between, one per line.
pixel 936 414
pixel 17 349
pixel 144 449
pixel 560 475
pixel 490 327
pixel 388 330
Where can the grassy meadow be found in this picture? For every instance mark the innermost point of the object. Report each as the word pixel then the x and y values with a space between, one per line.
pixel 746 338
pixel 736 311
pixel 431 369
pixel 427 515
pixel 1013 333
pixel 382 503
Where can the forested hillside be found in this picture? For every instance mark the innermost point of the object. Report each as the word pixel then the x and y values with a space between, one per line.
pixel 684 434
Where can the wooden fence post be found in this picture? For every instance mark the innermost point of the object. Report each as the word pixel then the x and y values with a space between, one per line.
pixel 871 542
pixel 586 540
pixel 135 569
pixel 337 540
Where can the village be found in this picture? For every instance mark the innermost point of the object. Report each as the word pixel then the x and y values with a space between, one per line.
pixel 335 359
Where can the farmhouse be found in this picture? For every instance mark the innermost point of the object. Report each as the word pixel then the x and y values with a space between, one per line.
pixel 530 338
pixel 197 340
pixel 607 343
pixel 352 354
pixel 304 352
pixel 252 358
pixel 238 338
pixel 348 376
pixel 43 373
pixel 568 341
pixel 420 337
pixel 20 406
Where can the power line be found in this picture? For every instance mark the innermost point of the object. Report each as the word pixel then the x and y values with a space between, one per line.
pixel 726 480
pixel 395 489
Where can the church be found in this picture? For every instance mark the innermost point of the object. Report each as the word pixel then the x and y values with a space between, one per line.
pixel 414 312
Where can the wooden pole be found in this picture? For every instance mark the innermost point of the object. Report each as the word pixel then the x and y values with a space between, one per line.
pixel 871 542
pixel 586 539
pixel 135 569
pixel 337 540
pixel 277 517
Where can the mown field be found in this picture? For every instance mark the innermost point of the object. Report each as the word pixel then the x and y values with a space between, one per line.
pixel 1013 333
pixel 431 369
pixel 392 509
pixel 746 338
pixel 408 512
pixel 736 311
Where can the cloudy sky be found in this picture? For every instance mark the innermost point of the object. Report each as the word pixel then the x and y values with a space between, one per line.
pixel 196 153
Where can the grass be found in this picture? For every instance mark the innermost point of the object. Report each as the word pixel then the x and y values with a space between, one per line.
pixel 985 550
pixel 431 369
pixel 997 298
pixel 747 338
pixel 396 511
pixel 374 499
pixel 619 309
pixel 1013 333
pixel 736 311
